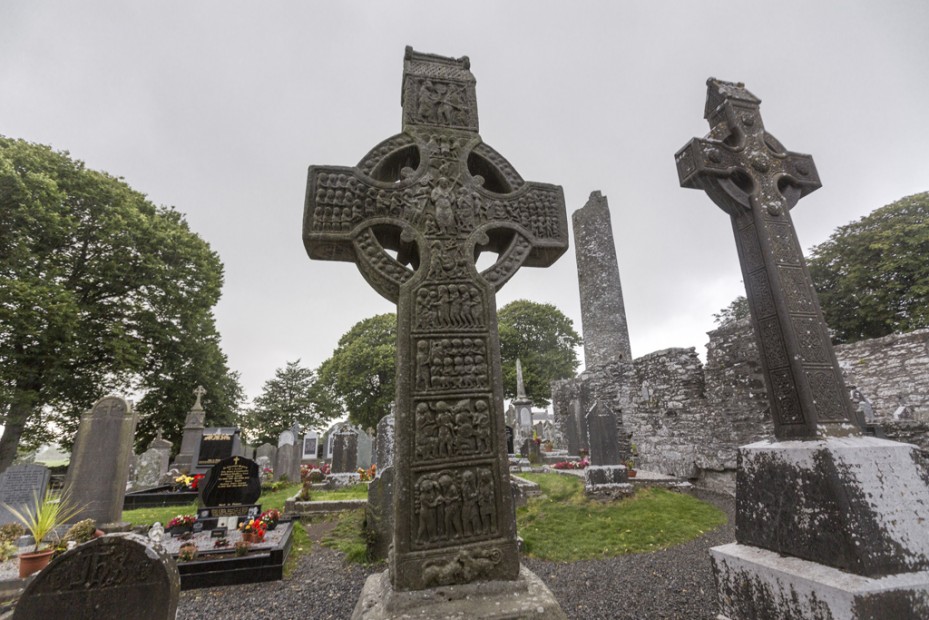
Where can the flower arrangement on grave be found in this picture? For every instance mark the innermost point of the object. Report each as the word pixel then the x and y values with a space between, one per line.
pixel 630 467
pixel 548 446
pixel 182 481
pixel 270 518
pixel 187 552
pixel 306 493
pixel 219 543
pixel 314 473
pixel 182 523
pixel 253 530
pixel 368 474
pixel 241 548
pixel 196 481
pixel 582 464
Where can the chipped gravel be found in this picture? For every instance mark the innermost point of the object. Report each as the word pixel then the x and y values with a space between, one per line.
pixel 675 583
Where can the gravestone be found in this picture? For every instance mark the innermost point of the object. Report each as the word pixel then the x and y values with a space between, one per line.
pixel 438 196
pixel 193 430
pixel 310 446
pixel 20 487
pixel 266 456
pixel 829 523
pixel 379 509
pixel 606 473
pixel 345 451
pixel 99 468
pixel 284 465
pixel 523 409
pixel 508 432
pixel 153 463
pixel 117 576
pixel 233 481
pixel 365 451
pixel 217 444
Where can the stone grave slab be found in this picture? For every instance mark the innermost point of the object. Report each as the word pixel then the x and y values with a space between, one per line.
pixel 116 576
pixel 20 487
pixel 99 468
pixel 437 196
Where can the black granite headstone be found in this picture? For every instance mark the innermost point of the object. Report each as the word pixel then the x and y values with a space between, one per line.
pixel 509 439
pixel 20 486
pixel 121 576
pixel 232 481
pixel 216 445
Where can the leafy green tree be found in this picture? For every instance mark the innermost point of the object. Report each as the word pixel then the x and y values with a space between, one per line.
pixel 100 290
pixel 290 397
pixel 735 311
pixel 872 275
pixel 544 340
pixel 359 377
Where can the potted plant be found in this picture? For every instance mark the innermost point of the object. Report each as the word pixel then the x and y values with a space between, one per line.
pixel 630 468
pixel 241 548
pixel 181 524
pixel 40 520
pixel 253 531
pixel 187 552
pixel 270 518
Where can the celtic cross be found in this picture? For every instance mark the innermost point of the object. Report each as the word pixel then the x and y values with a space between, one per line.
pixel 754 179
pixel 414 215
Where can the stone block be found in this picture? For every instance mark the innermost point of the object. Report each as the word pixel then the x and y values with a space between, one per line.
pixel 756 583
pixel 859 504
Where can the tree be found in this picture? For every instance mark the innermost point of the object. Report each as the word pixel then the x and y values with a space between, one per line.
pixel 543 338
pixel 872 275
pixel 735 311
pixel 291 397
pixel 359 377
pixel 100 290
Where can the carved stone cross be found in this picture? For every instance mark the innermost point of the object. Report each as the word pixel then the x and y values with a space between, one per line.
pixel 199 392
pixel 754 179
pixel 414 215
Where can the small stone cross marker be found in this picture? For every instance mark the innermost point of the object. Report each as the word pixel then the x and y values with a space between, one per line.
pixel 199 392
pixel 437 196
pixel 754 179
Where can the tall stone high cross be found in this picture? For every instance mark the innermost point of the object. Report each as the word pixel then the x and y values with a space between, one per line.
pixel 754 179
pixel 414 215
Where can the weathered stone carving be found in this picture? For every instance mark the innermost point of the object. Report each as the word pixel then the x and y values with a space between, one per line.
pixel 753 178
pixel 437 197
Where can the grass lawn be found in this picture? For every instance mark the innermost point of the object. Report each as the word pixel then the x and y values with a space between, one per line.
pixel 355 491
pixel 163 514
pixel 348 536
pixel 563 525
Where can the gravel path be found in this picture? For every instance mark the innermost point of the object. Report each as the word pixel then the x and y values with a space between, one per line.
pixel 675 583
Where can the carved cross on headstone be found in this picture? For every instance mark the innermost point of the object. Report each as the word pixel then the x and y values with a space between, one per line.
pixel 437 196
pixel 754 179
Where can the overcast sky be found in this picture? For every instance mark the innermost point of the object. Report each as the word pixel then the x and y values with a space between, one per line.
pixel 217 108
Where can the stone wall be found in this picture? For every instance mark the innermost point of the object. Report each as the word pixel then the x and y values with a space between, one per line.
pixel 688 419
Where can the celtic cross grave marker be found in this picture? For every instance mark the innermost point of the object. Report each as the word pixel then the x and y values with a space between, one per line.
pixel 753 178
pixel 414 215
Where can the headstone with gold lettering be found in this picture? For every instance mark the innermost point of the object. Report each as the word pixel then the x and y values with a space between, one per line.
pixel 217 444
pixel 99 468
pixel 231 482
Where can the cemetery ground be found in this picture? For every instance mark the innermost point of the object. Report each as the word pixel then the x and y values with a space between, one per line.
pixel 642 557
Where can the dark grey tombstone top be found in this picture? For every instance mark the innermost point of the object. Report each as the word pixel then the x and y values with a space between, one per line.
pixel 231 482
pixel 20 487
pixel 345 451
pixel 438 196
pixel 604 439
pixel 217 444
pixel 753 178
pixel 603 312
pixel 117 576
pixel 99 467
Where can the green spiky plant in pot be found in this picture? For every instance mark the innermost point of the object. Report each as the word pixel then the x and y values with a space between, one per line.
pixel 40 519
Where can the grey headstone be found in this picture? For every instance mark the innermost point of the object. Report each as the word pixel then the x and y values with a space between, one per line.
pixel 604 443
pixel 345 451
pixel 365 450
pixel 99 469
pixel 267 451
pixel 385 442
pixel 296 454
pixel 117 576
pixel 283 466
pixel 449 393
pixel 603 313
pixel 152 465
pixel 194 424
pixel 20 487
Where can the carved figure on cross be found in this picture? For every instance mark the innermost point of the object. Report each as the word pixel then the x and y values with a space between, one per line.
pixel 414 215
pixel 753 178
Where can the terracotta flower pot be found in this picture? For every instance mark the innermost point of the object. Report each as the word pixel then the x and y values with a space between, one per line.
pixel 34 562
pixel 632 473
pixel 250 537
